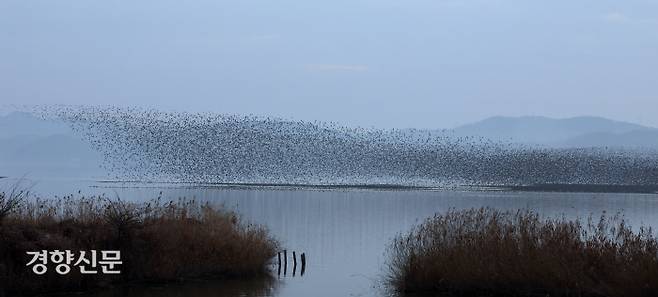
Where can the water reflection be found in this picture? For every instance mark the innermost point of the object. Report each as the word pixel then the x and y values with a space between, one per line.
pixel 284 263
pixel 200 288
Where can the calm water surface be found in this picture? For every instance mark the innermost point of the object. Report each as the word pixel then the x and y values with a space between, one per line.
pixel 344 233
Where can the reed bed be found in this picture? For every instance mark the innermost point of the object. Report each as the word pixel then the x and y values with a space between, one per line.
pixel 159 241
pixel 488 252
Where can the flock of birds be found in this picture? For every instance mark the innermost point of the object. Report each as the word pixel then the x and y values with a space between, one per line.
pixel 143 144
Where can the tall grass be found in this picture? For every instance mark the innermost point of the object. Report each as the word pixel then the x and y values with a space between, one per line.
pixel 159 241
pixel 486 252
pixel 11 200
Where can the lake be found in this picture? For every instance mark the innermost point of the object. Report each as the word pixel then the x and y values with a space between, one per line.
pixel 344 232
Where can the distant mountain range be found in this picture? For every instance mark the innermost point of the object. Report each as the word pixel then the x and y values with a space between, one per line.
pixel 35 147
pixel 570 132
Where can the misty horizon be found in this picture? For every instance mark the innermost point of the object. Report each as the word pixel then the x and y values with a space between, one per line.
pixel 6 110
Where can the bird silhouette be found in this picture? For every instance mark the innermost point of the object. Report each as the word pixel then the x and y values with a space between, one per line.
pixel 147 144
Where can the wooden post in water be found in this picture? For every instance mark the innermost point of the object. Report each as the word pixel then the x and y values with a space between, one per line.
pixel 303 258
pixel 294 263
pixel 285 262
pixel 279 256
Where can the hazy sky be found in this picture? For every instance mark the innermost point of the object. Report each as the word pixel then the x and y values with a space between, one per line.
pixel 383 63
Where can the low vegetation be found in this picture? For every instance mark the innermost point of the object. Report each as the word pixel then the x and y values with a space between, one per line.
pixel 159 241
pixel 486 252
pixel 10 201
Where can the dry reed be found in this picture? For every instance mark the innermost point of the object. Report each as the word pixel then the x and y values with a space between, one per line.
pixel 486 252
pixel 159 241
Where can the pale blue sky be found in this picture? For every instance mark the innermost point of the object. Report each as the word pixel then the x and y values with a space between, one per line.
pixel 405 63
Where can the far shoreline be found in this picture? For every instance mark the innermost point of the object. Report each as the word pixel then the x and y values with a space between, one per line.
pixel 585 188
pixel 556 187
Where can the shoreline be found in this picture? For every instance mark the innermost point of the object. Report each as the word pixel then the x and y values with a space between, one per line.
pixel 538 187
pixel 561 188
